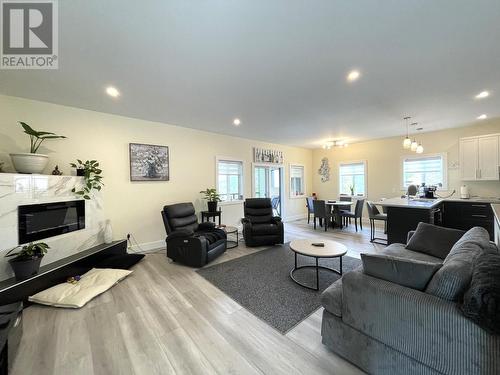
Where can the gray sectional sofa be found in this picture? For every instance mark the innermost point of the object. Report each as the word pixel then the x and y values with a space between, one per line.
pixel 386 328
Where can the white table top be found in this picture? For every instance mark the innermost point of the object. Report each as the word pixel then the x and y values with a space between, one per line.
pixel 332 249
pixel 339 203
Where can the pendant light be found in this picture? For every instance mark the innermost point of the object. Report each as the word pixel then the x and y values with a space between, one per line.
pixel 414 143
pixel 407 140
pixel 420 149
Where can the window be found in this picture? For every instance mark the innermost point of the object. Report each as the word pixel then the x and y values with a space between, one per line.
pixel 297 186
pixel 352 178
pixel 230 180
pixel 429 169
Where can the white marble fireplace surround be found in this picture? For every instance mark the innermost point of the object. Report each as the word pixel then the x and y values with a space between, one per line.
pixel 20 189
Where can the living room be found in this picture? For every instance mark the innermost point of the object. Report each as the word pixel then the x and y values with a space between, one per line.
pixel 246 190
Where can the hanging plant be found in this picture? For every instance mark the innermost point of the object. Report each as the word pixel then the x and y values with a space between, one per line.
pixel 92 177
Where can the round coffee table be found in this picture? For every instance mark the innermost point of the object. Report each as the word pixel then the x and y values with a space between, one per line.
pixel 331 249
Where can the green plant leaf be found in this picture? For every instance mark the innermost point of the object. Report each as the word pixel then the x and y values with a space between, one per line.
pixel 86 197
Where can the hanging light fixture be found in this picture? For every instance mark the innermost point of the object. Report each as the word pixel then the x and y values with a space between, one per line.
pixel 329 144
pixel 407 140
pixel 414 143
pixel 420 149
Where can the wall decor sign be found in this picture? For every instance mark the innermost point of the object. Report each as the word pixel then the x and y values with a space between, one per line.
pixel 261 155
pixel 324 170
pixel 149 162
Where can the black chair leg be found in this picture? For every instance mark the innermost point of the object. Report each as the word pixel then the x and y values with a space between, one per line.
pixel 356 223
pixel 361 223
pixel 372 224
pixel 308 217
pixel 314 221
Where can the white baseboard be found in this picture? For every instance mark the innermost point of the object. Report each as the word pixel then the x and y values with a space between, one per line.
pixel 147 246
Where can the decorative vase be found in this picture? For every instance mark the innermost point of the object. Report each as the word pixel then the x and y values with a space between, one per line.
pixel 25 268
pixel 29 163
pixel 212 206
pixel 108 232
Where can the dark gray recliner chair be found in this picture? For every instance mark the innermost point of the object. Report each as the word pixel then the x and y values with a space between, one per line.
pixel 189 242
pixel 260 227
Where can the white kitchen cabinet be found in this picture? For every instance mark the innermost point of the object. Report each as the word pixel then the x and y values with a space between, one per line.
pixel 468 158
pixel 479 158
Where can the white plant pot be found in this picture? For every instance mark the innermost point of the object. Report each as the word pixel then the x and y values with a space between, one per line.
pixel 29 163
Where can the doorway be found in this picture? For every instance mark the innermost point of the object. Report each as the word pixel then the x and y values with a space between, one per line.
pixel 268 183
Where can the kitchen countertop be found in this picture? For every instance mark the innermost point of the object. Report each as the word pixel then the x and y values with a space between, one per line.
pixel 423 203
pixel 496 211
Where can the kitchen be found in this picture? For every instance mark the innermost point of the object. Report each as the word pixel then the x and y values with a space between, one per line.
pixel 479 161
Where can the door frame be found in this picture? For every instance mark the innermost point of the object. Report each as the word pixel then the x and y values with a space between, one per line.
pixel 282 182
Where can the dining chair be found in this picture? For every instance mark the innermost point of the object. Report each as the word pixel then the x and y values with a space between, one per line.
pixel 310 208
pixel 374 214
pixel 357 214
pixel 322 212
pixel 346 208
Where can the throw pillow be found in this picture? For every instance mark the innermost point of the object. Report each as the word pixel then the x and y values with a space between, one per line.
pixel 122 261
pixel 91 284
pixel 406 272
pixel 482 300
pixel 433 240
pixel 453 279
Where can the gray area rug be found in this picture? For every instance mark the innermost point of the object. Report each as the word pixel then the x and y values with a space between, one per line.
pixel 261 283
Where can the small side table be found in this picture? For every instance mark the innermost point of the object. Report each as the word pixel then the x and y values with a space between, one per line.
pixel 210 214
pixel 230 230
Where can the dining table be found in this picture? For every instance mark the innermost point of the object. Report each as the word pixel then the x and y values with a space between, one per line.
pixel 335 206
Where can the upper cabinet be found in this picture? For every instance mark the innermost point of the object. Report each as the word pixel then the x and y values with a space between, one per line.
pixel 479 158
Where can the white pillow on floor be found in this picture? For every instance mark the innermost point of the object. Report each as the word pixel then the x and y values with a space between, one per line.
pixel 91 284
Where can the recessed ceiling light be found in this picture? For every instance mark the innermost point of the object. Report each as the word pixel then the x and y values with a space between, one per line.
pixel 482 95
pixel 112 91
pixel 236 122
pixel 353 75
pixel 482 117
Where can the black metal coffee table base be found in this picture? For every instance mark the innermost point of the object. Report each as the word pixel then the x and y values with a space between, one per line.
pixel 317 267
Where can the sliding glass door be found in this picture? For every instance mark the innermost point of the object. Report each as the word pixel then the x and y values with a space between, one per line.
pixel 268 184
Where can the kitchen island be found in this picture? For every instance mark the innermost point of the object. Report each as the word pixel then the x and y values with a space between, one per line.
pixel 403 214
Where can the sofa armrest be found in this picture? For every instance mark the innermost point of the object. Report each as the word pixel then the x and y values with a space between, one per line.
pixel 206 225
pixel 424 327
pixel 181 233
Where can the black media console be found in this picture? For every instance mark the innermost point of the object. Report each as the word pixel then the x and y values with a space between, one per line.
pixel 12 291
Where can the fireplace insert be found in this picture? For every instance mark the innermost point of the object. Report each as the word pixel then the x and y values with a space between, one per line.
pixel 39 221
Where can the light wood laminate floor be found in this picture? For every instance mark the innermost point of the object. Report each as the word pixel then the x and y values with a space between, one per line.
pixel 166 319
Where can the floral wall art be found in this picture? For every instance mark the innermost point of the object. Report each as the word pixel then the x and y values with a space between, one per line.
pixel 148 162
pixel 324 170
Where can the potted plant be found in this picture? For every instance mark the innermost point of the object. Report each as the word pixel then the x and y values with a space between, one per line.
pixel 33 162
pixel 212 198
pixel 27 261
pixel 92 177
pixel 351 188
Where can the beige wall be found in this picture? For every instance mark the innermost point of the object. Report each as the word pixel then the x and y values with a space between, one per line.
pixel 134 207
pixel 383 158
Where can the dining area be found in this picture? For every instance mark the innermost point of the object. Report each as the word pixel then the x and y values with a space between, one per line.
pixel 335 213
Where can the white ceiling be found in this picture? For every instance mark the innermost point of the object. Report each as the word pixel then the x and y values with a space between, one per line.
pixel 279 65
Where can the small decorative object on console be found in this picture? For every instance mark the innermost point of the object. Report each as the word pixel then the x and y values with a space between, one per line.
pixel 56 171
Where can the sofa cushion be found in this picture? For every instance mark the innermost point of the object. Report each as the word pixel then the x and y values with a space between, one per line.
pixel 433 240
pixel 331 298
pixel 451 281
pixel 265 229
pixel 482 299
pixel 398 250
pixel 413 274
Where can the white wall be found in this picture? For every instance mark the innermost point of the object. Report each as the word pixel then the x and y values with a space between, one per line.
pixel 134 207
pixel 383 157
